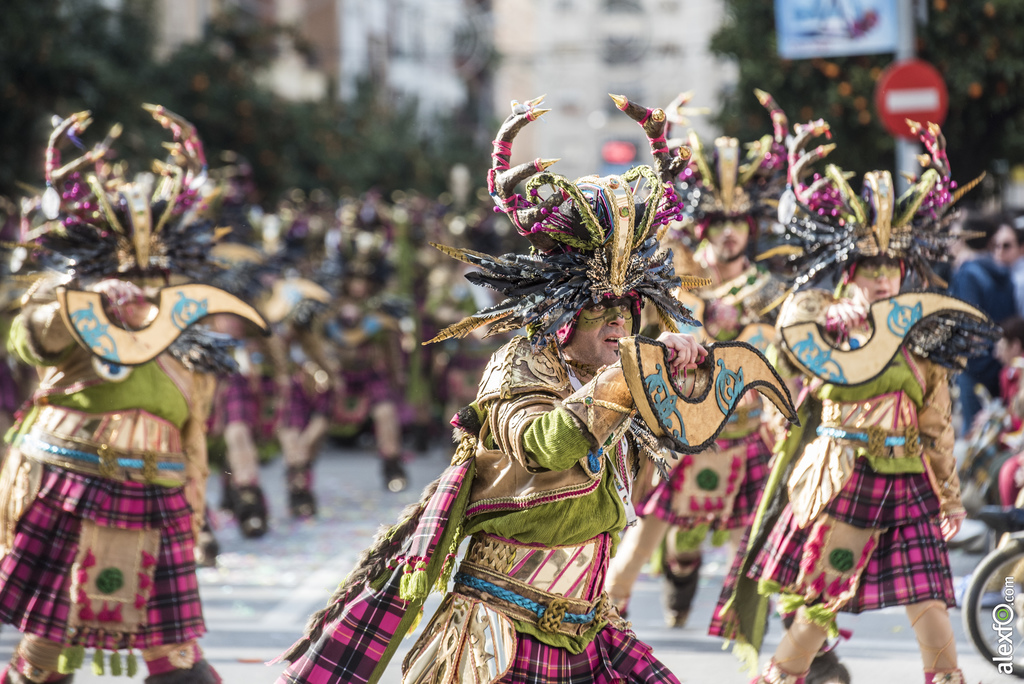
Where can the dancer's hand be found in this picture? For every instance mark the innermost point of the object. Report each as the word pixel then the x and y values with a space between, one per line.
pixel 848 314
pixel 684 350
pixel 950 526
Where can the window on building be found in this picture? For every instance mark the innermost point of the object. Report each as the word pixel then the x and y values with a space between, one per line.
pixel 624 49
pixel 623 6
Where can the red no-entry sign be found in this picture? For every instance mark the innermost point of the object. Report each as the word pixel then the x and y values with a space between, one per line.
pixel 911 89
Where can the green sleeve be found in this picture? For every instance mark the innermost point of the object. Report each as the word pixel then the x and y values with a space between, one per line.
pixel 19 344
pixel 555 440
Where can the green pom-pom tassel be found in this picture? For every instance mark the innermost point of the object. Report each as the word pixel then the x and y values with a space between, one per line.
pixel 70 659
pixel 77 657
pixel 691 539
pixel 719 537
pixel 133 664
pixel 97 662
pixel 415 585
pixel 115 664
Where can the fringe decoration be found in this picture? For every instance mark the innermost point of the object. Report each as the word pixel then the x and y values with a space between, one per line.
pixel 688 540
pixel 747 655
pixel 97 662
pixel 719 537
pixel 115 664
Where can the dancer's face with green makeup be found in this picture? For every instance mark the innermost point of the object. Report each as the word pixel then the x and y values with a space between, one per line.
pixel 598 330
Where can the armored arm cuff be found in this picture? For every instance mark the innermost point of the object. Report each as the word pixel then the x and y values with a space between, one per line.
pixel 602 405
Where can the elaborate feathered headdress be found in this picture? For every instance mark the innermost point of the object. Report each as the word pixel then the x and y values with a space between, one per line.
pixel 101 223
pixel 828 224
pixel 592 238
pixel 722 183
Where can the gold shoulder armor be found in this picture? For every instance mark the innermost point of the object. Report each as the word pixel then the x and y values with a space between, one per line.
pixel 516 368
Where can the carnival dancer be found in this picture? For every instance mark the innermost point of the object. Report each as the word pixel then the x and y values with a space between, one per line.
pixel 864 494
pixel 542 479
pixel 366 333
pixel 305 374
pixel 237 416
pixel 102 492
pixel 725 198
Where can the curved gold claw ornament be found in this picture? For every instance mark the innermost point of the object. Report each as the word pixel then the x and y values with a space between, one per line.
pixel 693 420
pixel 892 319
pixel 179 306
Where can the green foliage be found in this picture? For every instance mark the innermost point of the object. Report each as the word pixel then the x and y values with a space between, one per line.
pixel 977 45
pixel 61 56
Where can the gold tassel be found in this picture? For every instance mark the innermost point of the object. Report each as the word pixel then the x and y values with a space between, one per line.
pixel 115 664
pixel 97 662
pixel 781 250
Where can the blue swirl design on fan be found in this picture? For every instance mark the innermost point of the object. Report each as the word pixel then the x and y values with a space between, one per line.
pixel 187 311
pixel 759 341
pixel 664 403
pixel 728 387
pixel 94 333
pixel 902 318
pixel 819 361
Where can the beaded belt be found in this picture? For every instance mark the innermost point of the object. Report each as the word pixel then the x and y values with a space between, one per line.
pixel 877 438
pixel 544 586
pixel 130 446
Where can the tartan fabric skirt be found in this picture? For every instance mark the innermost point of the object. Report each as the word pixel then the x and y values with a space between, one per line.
pixel 35 577
pixel 613 656
pixel 910 564
pixel 238 402
pixel 658 502
pixel 299 405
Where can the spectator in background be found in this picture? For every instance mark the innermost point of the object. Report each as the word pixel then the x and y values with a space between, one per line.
pixel 1010 352
pixel 1008 248
pixel 984 282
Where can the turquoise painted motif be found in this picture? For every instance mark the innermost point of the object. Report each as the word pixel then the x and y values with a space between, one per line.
pixel 728 387
pixel 902 318
pixel 187 311
pixel 664 404
pixel 759 341
pixel 819 361
pixel 94 333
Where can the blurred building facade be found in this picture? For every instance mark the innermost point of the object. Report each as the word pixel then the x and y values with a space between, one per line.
pixel 434 50
pixel 578 51
pixel 478 55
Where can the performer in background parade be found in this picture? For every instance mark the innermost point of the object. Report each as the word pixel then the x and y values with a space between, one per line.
pixel 102 492
pixel 863 494
pixel 542 479
pixel 725 196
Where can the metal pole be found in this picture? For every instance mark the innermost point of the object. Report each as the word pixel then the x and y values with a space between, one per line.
pixel 906 150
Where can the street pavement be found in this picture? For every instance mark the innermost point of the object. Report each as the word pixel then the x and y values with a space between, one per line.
pixel 257 599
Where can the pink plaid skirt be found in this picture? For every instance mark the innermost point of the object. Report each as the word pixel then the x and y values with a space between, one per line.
pixel 659 501
pixel 35 577
pixel 612 657
pixel 910 563
pixel 299 405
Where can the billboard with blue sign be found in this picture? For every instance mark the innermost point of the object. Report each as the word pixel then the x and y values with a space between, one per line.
pixel 835 28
